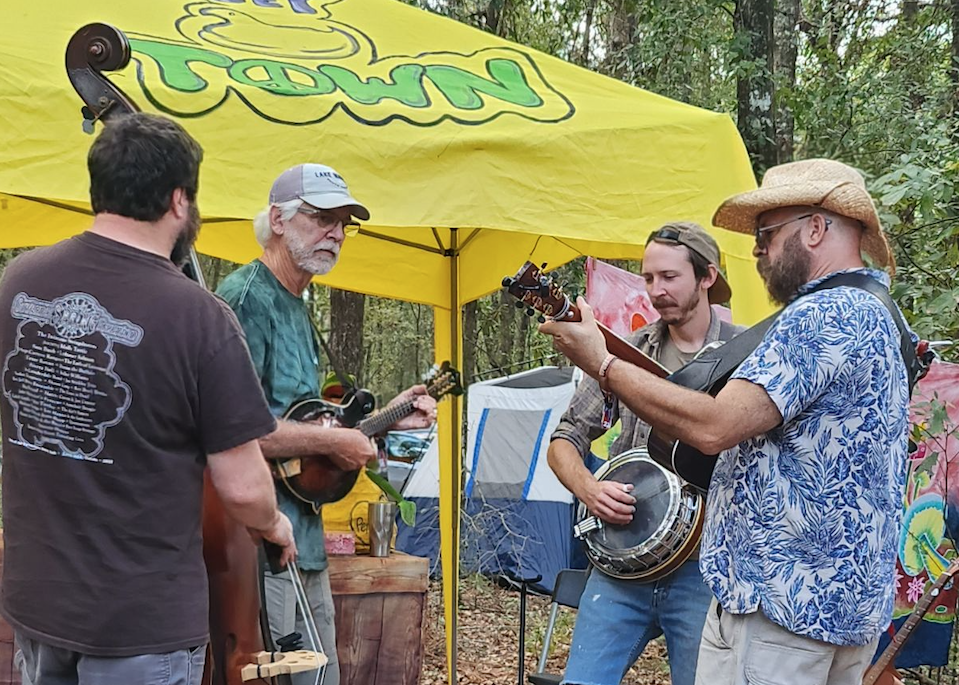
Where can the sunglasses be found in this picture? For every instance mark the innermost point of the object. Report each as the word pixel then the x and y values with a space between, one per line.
pixel 328 220
pixel 764 234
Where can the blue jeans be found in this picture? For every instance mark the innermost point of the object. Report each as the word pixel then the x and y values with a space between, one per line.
pixel 43 664
pixel 617 618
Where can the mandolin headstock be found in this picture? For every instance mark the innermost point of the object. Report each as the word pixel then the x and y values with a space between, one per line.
pixel 444 380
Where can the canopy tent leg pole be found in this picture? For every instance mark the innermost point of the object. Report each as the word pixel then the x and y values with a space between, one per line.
pixel 447 344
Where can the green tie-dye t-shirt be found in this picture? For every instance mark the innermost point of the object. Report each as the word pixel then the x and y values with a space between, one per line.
pixel 285 354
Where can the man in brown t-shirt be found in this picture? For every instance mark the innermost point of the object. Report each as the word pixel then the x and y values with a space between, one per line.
pixel 122 381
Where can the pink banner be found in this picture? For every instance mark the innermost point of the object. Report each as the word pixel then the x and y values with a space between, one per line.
pixel 619 298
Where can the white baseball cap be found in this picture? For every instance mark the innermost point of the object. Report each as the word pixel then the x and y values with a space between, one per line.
pixel 317 185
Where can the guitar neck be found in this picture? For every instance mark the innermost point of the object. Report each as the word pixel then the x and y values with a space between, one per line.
pixel 381 420
pixel 899 639
pixel 630 353
pixel 620 347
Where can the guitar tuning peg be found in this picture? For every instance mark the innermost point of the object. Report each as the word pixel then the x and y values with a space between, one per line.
pixel 530 312
pixel 541 318
pixel 543 266
pixel 519 304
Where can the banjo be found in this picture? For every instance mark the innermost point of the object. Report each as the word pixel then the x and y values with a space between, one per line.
pixel 665 528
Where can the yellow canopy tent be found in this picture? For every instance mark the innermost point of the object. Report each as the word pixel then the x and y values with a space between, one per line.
pixel 472 153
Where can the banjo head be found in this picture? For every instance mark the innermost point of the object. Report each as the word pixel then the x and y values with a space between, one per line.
pixel 666 518
pixel 654 499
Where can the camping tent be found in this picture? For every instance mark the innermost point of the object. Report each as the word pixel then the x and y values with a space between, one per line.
pixel 472 153
pixel 517 516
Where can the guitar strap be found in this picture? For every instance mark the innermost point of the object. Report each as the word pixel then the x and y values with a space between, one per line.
pixel 710 371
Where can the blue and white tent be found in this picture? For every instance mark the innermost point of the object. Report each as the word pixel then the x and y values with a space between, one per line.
pixel 517 516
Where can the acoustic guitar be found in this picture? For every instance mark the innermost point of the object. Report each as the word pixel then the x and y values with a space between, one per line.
pixel 882 671
pixel 314 479
pixel 538 293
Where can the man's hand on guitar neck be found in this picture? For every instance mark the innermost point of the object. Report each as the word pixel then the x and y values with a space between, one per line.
pixel 581 342
pixel 425 414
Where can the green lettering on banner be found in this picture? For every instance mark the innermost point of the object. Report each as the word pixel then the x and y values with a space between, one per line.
pixel 174 62
pixel 406 87
pixel 278 77
pixel 461 87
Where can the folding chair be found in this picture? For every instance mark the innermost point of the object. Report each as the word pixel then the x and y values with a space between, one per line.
pixel 566 592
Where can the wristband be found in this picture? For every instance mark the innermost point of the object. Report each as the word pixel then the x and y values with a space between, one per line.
pixel 604 372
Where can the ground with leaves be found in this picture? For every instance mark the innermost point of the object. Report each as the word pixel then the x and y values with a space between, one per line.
pixel 489 638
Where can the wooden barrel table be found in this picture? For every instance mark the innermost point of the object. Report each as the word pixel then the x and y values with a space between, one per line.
pixel 380 610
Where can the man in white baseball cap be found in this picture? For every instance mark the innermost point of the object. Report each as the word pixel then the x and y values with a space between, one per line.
pixel 316 185
pixel 310 214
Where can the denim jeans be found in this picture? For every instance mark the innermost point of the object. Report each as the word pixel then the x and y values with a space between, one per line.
pixel 43 664
pixel 618 618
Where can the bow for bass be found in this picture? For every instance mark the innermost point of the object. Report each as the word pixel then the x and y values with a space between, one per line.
pixel 236 638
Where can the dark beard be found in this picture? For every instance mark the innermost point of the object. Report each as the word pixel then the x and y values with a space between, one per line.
pixel 188 234
pixel 787 274
pixel 684 308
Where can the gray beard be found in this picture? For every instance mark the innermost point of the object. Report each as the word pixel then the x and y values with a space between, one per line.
pixel 789 273
pixel 306 257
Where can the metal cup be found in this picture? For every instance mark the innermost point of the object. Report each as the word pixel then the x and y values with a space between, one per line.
pixel 382 518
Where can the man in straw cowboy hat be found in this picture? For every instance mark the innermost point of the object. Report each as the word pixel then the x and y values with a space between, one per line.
pixel 802 521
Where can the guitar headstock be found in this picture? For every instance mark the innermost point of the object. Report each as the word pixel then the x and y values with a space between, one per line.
pixel 444 380
pixel 538 293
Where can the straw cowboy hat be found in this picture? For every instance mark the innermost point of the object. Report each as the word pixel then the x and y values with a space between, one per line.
pixel 824 183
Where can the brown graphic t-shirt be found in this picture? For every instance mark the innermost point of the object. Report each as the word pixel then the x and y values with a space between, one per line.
pixel 119 376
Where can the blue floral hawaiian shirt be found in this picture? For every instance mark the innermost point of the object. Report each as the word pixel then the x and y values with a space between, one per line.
pixel 803 521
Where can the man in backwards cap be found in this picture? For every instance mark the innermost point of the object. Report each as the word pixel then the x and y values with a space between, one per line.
pixel 310 214
pixel 802 521
pixel 613 627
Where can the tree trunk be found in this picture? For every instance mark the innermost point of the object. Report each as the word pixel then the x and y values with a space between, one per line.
pixel 507 324
pixel 587 30
pixel 346 330
pixel 621 28
pixel 470 340
pixel 954 72
pixel 754 87
pixel 785 49
pixel 910 8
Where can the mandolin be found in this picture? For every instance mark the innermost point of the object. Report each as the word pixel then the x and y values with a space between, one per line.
pixel 314 479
